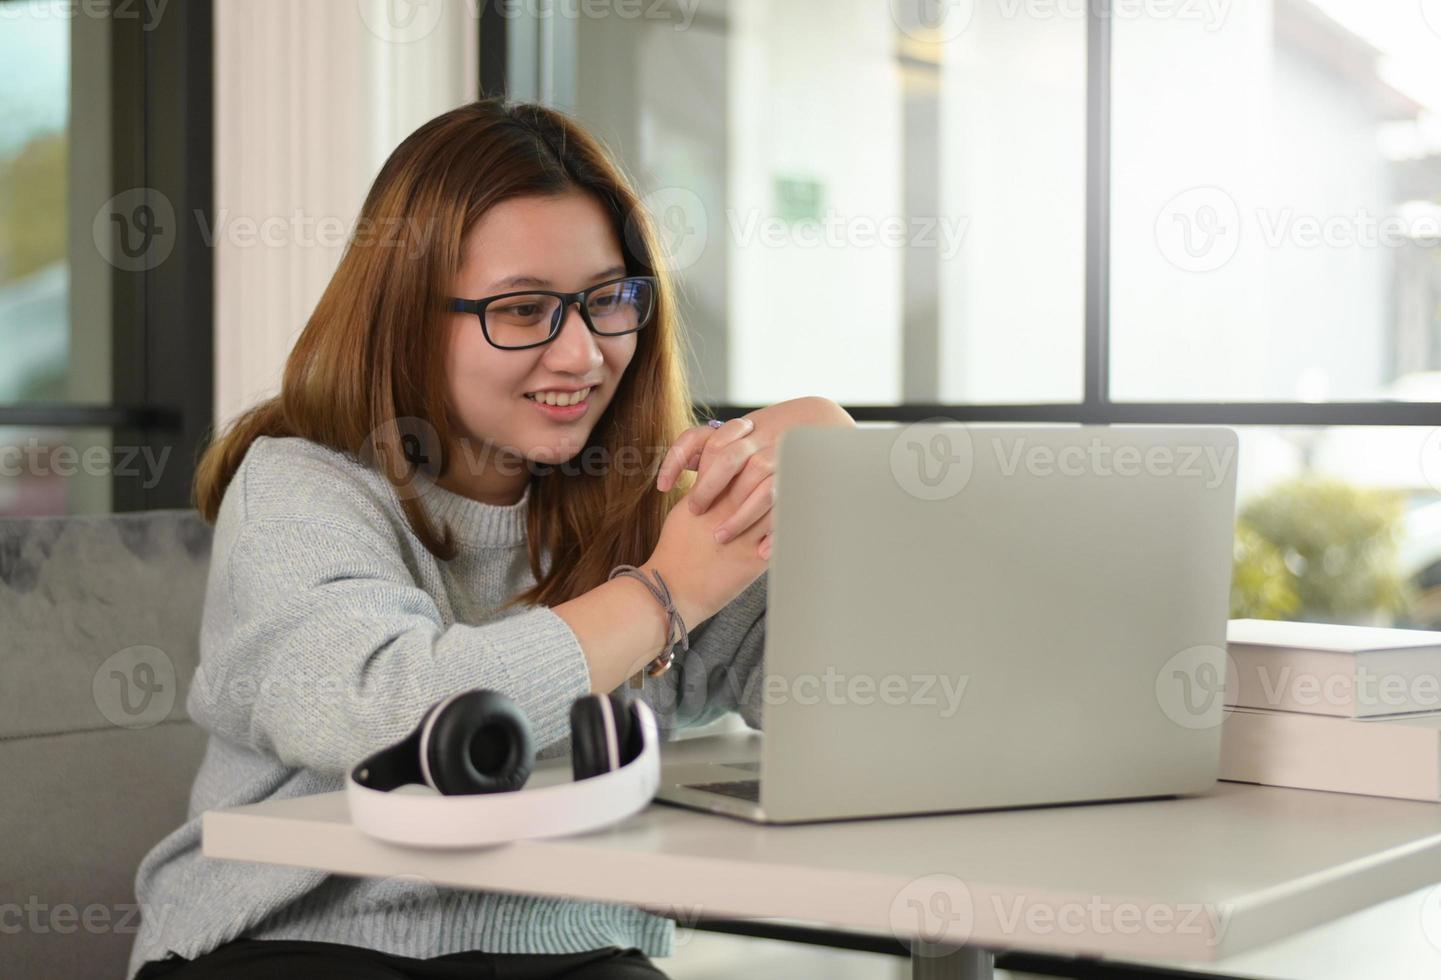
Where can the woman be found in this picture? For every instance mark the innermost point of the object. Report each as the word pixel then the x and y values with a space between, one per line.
pixel 414 515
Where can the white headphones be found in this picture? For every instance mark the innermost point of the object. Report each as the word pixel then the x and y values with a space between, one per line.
pixel 473 752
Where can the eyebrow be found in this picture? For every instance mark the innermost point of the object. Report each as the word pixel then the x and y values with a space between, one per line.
pixel 514 282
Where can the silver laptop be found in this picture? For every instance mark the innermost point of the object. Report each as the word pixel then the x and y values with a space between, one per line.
pixel 965 617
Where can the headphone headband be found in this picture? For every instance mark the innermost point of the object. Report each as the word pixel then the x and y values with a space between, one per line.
pixel 425 818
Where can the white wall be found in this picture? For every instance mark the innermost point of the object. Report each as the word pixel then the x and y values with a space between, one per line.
pixel 814 93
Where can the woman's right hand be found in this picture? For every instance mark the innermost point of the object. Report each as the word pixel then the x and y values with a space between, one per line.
pixel 703 575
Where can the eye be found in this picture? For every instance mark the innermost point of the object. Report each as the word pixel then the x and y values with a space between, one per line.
pixel 520 311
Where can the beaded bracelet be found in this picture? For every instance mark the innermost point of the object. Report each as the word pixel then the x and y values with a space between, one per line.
pixel 674 622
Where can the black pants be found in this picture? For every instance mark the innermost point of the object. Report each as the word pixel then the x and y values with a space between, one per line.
pixel 286 959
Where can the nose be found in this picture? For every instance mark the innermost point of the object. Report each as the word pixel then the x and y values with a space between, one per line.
pixel 574 350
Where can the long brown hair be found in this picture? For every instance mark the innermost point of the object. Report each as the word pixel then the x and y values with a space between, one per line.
pixel 372 355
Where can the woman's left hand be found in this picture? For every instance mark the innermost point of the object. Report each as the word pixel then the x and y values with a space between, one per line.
pixel 742 451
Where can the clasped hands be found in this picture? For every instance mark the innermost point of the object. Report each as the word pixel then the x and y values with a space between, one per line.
pixel 735 463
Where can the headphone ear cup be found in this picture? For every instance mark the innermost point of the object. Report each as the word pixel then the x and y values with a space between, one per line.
pixel 633 740
pixel 627 732
pixel 479 743
pixel 591 730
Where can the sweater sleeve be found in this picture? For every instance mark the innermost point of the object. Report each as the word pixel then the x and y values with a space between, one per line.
pixel 724 669
pixel 324 650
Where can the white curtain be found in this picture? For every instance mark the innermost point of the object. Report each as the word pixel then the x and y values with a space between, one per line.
pixel 310 98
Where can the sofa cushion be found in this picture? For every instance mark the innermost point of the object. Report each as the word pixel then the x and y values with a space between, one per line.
pixel 81 810
pixel 101 617
pixel 101 624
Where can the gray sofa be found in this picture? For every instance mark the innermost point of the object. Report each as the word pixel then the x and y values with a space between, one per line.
pixel 99 632
pixel 100 620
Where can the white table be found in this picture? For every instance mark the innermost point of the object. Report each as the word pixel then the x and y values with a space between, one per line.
pixel 1199 880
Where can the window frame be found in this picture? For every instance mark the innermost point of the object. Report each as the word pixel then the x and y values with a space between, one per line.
pixel 162 328
pixel 500 66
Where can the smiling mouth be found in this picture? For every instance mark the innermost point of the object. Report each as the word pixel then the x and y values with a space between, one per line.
pixel 556 399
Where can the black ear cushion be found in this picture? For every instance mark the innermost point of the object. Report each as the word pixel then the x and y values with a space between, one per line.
pixel 630 734
pixel 627 731
pixel 587 738
pixel 480 743
pixel 589 746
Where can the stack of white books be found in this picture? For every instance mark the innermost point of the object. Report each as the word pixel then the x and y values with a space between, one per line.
pixel 1350 709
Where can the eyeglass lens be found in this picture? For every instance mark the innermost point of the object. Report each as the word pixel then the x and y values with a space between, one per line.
pixel 523 319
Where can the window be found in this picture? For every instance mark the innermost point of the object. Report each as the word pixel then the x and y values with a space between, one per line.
pixel 1169 213
pixel 34 149
pixel 858 206
pixel 1276 232
pixel 45 359
pixel 104 296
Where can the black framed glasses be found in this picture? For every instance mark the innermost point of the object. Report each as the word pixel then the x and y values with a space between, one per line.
pixel 530 318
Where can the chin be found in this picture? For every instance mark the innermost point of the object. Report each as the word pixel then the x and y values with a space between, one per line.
pixel 554 454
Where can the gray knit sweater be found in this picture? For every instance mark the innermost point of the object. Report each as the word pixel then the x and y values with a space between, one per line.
pixel 328 629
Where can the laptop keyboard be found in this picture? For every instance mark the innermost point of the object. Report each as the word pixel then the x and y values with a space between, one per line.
pixel 741 789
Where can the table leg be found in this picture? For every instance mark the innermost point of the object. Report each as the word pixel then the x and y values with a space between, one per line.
pixel 939 961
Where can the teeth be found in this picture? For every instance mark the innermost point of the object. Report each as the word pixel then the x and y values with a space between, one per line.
pixel 560 398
